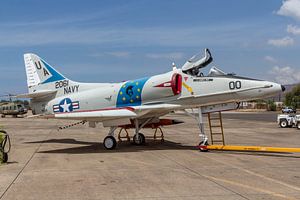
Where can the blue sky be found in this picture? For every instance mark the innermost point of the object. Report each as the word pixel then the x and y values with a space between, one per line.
pixel 110 41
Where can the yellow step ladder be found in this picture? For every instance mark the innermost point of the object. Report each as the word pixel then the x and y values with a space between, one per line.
pixel 218 140
pixel 216 128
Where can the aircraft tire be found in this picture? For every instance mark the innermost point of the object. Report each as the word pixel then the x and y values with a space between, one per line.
pixel 139 140
pixel 283 123
pixel 109 142
pixel 203 146
pixel 203 149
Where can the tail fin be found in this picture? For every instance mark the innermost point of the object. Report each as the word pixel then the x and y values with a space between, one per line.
pixel 40 72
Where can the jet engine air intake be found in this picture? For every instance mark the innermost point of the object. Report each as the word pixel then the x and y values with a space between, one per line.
pixel 176 84
pixel 161 86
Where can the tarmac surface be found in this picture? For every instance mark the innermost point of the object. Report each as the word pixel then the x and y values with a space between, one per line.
pixel 72 164
pixel 253 116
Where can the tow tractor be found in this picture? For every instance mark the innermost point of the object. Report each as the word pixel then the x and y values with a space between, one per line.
pixel 288 120
pixel 4 146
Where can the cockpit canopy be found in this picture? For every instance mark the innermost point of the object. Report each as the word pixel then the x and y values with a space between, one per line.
pixel 214 71
pixel 197 62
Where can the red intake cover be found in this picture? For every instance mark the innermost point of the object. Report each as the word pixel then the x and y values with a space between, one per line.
pixel 176 84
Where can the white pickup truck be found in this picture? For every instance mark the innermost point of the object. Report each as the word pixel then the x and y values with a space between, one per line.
pixel 288 120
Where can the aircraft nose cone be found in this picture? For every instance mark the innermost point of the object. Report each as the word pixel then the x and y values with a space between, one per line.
pixel 282 88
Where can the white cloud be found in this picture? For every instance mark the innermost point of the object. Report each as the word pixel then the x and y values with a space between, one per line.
pixel 282 42
pixel 285 75
pixel 65 32
pixel 170 56
pixel 290 8
pixel 295 30
pixel 118 54
pixel 270 59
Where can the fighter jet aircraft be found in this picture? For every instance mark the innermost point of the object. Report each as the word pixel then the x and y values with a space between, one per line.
pixel 139 102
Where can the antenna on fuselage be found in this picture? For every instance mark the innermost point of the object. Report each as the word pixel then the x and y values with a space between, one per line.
pixel 174 66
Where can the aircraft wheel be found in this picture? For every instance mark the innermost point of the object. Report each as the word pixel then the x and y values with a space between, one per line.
pixel 2 116
pixel 139 139
pixel 203 146
pixel 109 142
pixel 283 123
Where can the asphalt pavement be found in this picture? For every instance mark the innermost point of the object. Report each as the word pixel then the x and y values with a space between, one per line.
pixel 253 116
pixel 72 164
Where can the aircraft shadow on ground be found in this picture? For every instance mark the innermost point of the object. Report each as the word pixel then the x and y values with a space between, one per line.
pixel 9 163
pixel 151 145
pixel 97 147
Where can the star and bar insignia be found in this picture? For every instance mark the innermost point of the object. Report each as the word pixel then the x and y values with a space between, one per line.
pixel 66 105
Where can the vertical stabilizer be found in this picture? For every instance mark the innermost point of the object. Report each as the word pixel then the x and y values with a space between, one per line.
pixel 40 72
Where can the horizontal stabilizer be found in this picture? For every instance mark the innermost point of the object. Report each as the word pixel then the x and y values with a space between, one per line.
pixel 39 94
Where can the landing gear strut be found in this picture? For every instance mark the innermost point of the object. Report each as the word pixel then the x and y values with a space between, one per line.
pixel 139 138
pixel 203 137
pixel 110 142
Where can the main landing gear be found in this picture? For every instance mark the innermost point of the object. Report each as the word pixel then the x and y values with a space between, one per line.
pixel 139 139
pixel 110 142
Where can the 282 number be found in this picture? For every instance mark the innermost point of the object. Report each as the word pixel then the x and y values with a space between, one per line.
pixel 235 85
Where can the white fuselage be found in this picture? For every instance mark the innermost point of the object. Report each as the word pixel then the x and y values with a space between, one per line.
pixel 173 87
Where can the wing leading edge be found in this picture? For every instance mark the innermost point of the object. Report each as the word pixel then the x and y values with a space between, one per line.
pixel 117 113
pixel 98 115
